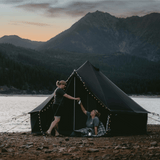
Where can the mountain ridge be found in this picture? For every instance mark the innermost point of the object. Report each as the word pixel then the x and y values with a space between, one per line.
pixel 20 42
pixel 103 33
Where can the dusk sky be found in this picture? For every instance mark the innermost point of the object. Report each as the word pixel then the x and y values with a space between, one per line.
pixel 41 20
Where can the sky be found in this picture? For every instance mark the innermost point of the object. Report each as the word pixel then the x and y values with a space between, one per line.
pixel 41 20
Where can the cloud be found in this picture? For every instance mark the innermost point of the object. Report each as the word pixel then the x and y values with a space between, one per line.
pixel 11 1
pixel 80 8
pixel 34 6
pixel 29 23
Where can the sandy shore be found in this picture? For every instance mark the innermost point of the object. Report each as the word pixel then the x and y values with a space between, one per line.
pixel 27 146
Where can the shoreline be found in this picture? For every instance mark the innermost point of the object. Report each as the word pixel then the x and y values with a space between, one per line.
pixel 46 95
pixel 24 145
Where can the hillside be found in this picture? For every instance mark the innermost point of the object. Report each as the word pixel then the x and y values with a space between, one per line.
pixel 29 69
pixel 102 33
pixel 20 42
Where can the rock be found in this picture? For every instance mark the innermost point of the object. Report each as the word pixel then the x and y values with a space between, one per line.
pixel 107 147
pixel 90 150
pixel 27 147
pixel 105 156
pixel 87 145
pixel 4 150
pixel 118 147
pixel 54 145
pixel 23 146
pixel 39 148
pixel 10 150
pixel 81 146
pixel 115 151
pixel 151 148
pixel 2 146
pixel 24 133
pixel 71 149
pixel 135 147
pixel 48 151
pixel 61 149
pixel 157 154
pixel 30 143
pixel 66 154
pixel 81 142
pixel 90 139
pixel 153 143
pixel 84 142
pixel 66 139
pixel 46 147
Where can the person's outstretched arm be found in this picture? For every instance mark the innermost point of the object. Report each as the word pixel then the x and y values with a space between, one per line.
pixel 70 97
pixel 83 109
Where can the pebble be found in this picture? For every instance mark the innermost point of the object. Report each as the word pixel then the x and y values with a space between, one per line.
pixel 46 147
pixel 30 143
pixel 135 147
pixel 23 146
pixel 71 149
pixel 10 150
pixel 4 150
pixel 92 150
pixel 27 147
pixel 118 147
pixel 48 151
pixel 2 146
pixel 54 145
pixel 66 139
pixel 61 149
pixel 39 148
pixel 66 154
pixel 115 151
pixel 90 139
pixel 153 143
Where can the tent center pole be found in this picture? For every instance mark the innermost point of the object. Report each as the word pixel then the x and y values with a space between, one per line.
pixel 74 109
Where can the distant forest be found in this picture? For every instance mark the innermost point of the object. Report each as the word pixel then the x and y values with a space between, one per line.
pixel 135 76
pixel 25 77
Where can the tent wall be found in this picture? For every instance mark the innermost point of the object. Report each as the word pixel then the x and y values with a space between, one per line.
pixel 43 123
pixel 122 124
pixel 35 123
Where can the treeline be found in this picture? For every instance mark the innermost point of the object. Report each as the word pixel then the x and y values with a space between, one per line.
pixel 134 75
pixel 25 77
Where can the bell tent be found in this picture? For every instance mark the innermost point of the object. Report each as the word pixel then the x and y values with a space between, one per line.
pixel 119 113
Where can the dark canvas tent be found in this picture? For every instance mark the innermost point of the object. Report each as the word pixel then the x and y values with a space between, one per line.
pixel 119 113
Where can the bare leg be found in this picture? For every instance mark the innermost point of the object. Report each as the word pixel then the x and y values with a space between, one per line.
pixel 53 124
pixel 56 129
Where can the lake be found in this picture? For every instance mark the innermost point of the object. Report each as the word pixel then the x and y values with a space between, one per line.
pixel 14 109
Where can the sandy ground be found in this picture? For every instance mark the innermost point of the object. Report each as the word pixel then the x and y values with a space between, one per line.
pixel 27 146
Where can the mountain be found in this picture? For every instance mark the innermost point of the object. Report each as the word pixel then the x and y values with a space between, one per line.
pixel 102 33
pixel 17 41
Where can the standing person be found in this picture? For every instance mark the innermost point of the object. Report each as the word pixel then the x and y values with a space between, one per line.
pixel 59 94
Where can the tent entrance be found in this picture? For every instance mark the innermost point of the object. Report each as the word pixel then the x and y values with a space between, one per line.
pixel 73 118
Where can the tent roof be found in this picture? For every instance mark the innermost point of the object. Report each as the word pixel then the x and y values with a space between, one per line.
pixel 103 89
pixel 106 91
pixel 43 104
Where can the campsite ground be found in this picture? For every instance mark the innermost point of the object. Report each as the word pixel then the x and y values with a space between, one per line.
pixel 27 146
